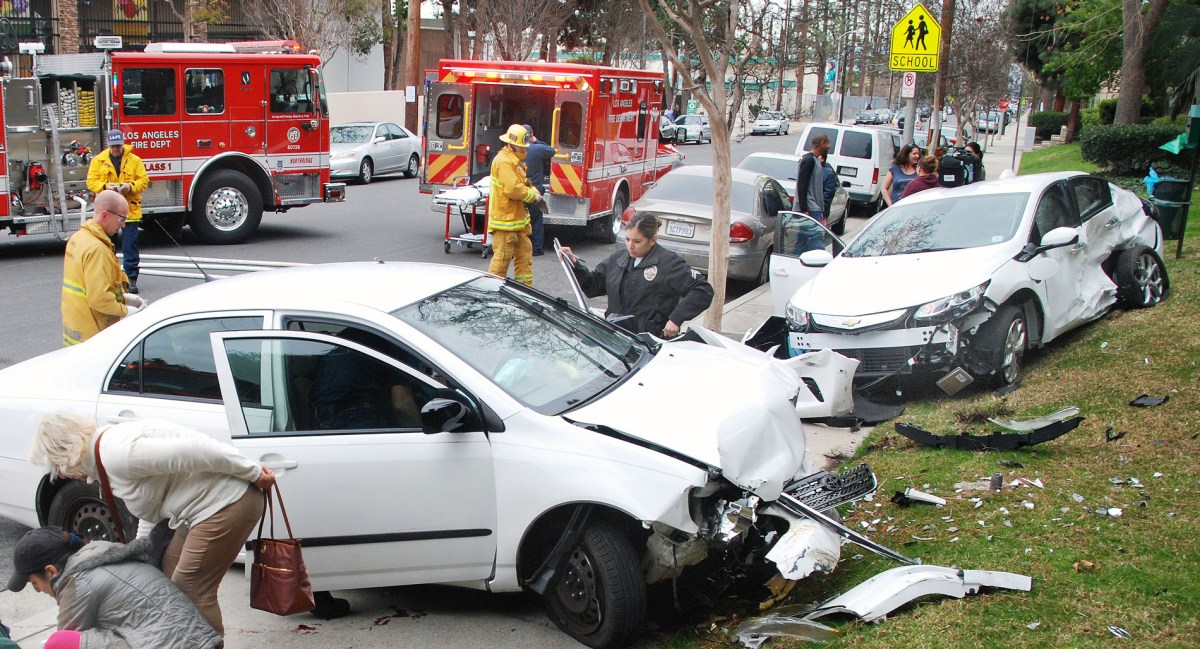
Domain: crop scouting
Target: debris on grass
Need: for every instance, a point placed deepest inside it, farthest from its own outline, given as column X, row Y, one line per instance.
column 1084, row 566
column 994, row 441
column 1110, row 436
column 1147, row 401
column 1118, row 631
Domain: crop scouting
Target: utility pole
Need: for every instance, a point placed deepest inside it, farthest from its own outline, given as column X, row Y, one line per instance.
column 781, row 56
column 939, row 89
column 412, row 66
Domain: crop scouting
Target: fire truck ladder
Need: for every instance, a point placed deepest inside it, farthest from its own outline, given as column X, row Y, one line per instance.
column 58, row 222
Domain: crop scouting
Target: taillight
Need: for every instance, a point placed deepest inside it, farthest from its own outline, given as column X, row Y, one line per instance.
column 627, row 215
column 875, row 176
column 740, row 233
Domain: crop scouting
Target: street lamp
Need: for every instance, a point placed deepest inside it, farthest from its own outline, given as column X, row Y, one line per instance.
column 842, row 71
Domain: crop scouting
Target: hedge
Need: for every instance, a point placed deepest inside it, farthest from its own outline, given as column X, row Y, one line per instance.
column 1088, row 118
column 1047, row 123
column 1128, row 150
column 1108, row 110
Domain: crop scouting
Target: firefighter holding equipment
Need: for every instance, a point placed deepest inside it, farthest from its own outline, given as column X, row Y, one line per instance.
column 93, row 292
column 119, row 169
column 508, row 218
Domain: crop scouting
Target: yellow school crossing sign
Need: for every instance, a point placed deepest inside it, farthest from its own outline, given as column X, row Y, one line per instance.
column 916, row 42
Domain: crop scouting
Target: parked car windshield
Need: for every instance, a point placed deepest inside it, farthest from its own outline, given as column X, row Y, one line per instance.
column 546, row 355
column 690, row 120
column 697, row 190
column 350, row 134
column 951, row 223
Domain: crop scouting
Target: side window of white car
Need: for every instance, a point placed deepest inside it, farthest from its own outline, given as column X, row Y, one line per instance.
column 177, row 360
column 1091, row 195
column 1053, row 211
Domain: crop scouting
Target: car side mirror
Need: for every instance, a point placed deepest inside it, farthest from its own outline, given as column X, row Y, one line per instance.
column 816, row 258
column 448, row 416
column 1059, row 238
column 379, row 139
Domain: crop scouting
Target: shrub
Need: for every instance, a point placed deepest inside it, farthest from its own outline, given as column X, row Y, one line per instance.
column 1108, row 111
column 1047, row 123
column 1088, row 118
column 1180, row 121
column 1127, row 149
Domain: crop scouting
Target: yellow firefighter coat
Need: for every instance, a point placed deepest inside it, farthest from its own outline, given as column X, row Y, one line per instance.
column 511, row 190
column 133, row 171
column 93, row 293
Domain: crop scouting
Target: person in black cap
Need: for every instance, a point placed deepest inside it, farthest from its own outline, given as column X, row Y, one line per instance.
column 538, row 156
column 108, row 596
column 120, row 169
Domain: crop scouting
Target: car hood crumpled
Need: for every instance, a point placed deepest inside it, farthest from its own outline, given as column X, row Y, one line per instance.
column 863, row 285
column 731, row 411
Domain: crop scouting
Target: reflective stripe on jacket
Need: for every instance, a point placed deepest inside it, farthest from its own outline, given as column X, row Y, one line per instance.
column 93, row 292
column 511, row 190
column 133, row 171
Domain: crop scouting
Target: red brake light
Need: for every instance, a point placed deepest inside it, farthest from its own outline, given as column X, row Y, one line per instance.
column 875, row 176
column 627, row 215
column 740, row 233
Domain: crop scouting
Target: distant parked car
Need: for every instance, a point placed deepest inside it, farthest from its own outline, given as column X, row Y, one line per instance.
column 866, row 117
column 769, row 122
column 667, row 131
column 783, row 166
column 364, row 150
column 682, row 201
column 692, row 128
column 990, row 122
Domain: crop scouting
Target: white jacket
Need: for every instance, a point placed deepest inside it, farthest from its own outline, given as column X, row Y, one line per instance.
column 164, row 470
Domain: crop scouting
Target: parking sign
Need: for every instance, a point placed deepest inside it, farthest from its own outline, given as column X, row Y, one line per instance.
column 908, row 89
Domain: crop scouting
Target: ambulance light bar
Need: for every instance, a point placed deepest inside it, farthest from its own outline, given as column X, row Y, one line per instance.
column 287, row 46
column 174, row 48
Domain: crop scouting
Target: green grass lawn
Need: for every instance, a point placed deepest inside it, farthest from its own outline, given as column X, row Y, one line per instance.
column 1137, row 571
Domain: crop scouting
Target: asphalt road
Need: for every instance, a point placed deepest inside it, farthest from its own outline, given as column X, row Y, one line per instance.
column 390, row 220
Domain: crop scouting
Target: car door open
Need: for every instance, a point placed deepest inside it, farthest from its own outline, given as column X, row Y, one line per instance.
column 795, row 234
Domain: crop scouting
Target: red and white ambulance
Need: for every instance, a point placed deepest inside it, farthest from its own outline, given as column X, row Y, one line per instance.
column 226, row 131
column 602, row 121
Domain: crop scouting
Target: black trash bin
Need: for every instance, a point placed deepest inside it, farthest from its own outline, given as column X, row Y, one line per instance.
column 1170, row 215
column 1171, row 189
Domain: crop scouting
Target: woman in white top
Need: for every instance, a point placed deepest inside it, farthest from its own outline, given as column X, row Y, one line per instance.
column 210, row 493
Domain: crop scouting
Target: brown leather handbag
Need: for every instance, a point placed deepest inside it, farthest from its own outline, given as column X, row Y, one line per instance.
column 278, row 579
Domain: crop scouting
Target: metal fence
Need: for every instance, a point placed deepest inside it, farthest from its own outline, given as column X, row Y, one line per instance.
column 136, row 34
column 15, row 30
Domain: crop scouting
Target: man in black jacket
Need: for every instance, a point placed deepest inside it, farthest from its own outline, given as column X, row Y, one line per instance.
column 810, row 189
column 537, row 163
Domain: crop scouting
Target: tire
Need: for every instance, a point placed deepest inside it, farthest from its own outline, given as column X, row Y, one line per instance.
column 1140, row 277
column 1001, row 344
column 414, row 166
column 366, row 171
column 227, row 210
column 446, row 247
column 605, row 228
column 79, row 508
column 600, row 597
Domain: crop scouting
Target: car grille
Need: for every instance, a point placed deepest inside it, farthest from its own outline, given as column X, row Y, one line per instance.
column 883, row 360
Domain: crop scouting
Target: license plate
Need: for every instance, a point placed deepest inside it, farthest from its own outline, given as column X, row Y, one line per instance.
column 851, row 172
column 679, row 229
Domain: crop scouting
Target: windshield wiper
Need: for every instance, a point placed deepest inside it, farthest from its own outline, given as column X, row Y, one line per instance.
column 541, row 311
column 921, row 250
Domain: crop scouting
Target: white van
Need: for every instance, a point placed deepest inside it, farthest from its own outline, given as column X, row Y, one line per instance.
column 860, row 155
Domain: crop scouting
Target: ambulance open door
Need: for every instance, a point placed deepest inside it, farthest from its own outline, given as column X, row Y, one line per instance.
column 447, row 135
column 569, row 137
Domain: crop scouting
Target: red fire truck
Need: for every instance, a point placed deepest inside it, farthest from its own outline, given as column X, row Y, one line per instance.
column 602, row 121
column 226, row 131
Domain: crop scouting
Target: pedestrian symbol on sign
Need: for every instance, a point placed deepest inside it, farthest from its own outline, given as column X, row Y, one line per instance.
column 916, row 42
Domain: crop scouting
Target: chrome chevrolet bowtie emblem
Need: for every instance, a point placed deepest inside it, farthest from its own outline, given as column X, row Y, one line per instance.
column 851, row 322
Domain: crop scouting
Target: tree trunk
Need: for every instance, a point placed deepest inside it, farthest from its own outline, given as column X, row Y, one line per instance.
column 390, row 36
column 1073, row 123
column 412, row 63
column 1060, row 101
column 939, row 91
column 802, row 57
column 1137, row 31
column 448, row 27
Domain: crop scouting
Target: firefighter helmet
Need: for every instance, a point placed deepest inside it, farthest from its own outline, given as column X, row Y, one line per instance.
column 516, row 136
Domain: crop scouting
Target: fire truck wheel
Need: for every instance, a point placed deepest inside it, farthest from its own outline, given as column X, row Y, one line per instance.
column 366, row 171
column 414, row 166
column 228, row 208
column 605, row 228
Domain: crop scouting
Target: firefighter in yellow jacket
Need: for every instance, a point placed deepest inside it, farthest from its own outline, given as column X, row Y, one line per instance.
column 93, row 292
column 508, row 218
column 120, row 169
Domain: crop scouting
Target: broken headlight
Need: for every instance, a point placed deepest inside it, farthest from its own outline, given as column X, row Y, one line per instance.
column 951, row 307
column 797, row 318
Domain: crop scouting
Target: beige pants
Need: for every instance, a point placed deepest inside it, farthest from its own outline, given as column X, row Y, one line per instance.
column 198, row 560
column 515, row 247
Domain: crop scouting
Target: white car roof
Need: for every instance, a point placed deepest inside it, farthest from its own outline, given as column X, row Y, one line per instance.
column 772, row 155
column 1033, row 184
column 385, row 286
column 706, row 171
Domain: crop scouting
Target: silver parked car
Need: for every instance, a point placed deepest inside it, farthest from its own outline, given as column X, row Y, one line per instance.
column 364, row 150
column 783, row 167
column 693, row 128
column 683, row 201
column 770, row 122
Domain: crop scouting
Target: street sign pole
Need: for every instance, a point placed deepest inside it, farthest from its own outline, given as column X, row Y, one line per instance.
column 908, row 91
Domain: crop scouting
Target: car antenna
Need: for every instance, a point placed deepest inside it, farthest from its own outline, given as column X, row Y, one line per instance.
column 207, row 277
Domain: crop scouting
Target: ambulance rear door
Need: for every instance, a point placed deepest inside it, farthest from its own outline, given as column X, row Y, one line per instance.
column 447, row 135
column 569, row 137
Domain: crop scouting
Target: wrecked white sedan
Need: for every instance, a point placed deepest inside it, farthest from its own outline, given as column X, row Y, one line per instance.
column 433, row 424
column 959, row 283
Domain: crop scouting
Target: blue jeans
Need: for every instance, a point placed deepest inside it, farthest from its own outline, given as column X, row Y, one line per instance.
column 810, row 237
column 129, row 248
column 538, row 238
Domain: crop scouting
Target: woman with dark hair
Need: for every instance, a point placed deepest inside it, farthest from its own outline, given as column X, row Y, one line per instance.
column 927, row 177
column 650, row 289
column 108, row 596
column 902, row 172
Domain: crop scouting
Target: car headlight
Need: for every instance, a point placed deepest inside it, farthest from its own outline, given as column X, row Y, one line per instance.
column 344, row 155
column 951, row 306
column 797, row 318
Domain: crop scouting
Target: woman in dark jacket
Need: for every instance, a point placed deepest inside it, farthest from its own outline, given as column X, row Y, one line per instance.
column 646, row 281
column 108, row 596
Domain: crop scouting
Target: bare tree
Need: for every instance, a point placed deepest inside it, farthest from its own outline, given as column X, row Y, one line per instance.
column 713, row 33
column 196, row 15
column 983, row 77
column 324, row 25
column 518, row 27
column 1138, row 30
column 394, row 30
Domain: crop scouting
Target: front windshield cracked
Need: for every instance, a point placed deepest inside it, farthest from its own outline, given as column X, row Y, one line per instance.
column 544, row 354
column 950, row 223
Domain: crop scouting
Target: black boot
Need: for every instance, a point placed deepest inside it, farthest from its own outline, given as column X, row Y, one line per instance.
column 329, row 607
column 133, row 285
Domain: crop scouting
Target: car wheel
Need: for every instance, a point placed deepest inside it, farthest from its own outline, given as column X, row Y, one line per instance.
column 1141, row 278
column 414, row 166
column 366, row 171
column 1001, row 344
column 605, row 228
column 599, row 598
column 79, row 508
column 228, row 208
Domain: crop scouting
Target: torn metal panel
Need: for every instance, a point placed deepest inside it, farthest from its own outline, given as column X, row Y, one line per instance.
column 993, row 442
column 1025, row 425
column 666, row 559
column 735, row 518
column 806, row 547
column 789, row 505
column 780, row 624
column 873, row 599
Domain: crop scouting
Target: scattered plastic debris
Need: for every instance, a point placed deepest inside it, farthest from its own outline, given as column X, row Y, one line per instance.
column 910, row 495
column 1104, row 345
column 1117, row 481
column 1012, row 464
column 1110, row 436
column 1084, row 566
column 1027, row 425
column 1033, row 625
column 997, row 482
column 787, row 622
column 1033, row 483
column 1118, row 631
column 1157, row 475
column 993, row 441
column 1026, row 504
column 1147, row 401
column 978, row 485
